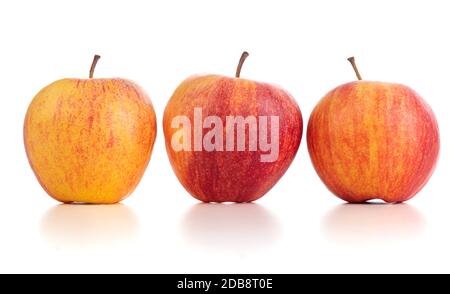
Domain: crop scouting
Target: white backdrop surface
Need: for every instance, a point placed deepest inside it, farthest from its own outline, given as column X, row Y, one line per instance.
column 298, row 226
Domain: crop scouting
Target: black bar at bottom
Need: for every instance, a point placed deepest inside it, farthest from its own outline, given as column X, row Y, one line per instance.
column 222, row 283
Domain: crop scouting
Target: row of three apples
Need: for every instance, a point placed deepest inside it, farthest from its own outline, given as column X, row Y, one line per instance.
column 89, row 141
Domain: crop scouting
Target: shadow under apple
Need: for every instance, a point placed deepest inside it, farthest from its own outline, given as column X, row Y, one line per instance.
column 372, row 222
column 237, row 228
column 78, row 226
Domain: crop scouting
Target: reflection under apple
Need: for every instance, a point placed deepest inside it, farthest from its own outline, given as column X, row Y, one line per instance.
column 374, row 222
column 78, row 226
column 238, row 228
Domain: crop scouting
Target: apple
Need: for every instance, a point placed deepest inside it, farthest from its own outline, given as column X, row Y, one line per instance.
column 90, row 140
column 373, row 140
column 230, row 139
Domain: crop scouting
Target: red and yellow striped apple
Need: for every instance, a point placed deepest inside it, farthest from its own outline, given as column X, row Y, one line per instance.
column 221, row 158
column 373, row 140
column 90, row 141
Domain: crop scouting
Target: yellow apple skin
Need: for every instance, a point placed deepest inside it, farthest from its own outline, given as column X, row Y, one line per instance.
column 90, row 141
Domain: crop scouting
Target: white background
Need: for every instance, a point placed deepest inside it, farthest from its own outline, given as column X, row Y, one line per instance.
column 298, row 227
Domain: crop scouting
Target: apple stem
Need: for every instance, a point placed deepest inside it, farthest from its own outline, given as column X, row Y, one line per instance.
column 94, row 63
column 355, row 68
column 241, row 62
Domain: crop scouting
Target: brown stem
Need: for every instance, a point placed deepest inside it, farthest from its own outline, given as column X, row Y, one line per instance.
column 94, row 63
column 355, row 68
column 241, row 62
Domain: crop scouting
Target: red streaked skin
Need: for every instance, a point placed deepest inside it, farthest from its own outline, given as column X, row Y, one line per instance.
column 372, row 140
column 232, row 176
column 90, row 141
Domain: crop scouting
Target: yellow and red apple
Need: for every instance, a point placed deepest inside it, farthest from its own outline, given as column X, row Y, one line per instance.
column 210, row 124
column 90, row 140
column 373, row 140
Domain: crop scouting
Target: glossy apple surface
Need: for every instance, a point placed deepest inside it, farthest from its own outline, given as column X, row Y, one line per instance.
column 90, row 140
column 231, row 176
column 372, row 140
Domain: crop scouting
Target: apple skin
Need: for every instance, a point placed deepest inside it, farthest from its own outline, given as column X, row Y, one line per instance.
column 373, row 140
column 90, row 141
column 232, row 176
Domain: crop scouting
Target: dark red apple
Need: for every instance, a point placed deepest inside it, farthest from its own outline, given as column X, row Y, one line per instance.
column 230, row 139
